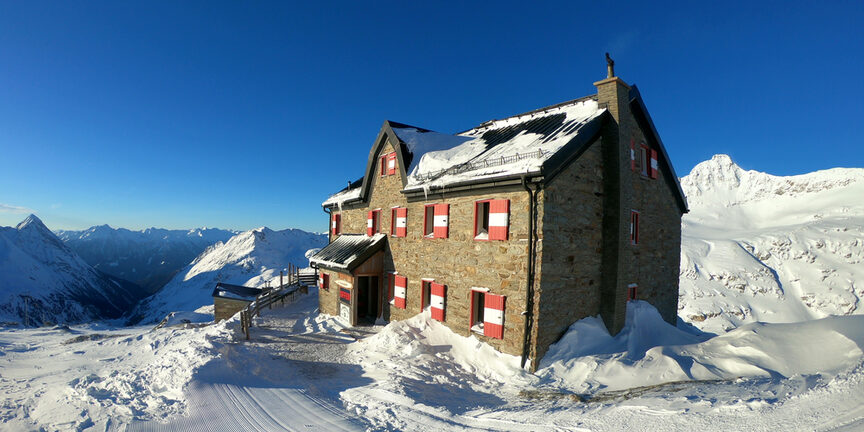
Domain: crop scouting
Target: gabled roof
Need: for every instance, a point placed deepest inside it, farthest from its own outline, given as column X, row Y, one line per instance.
column 348, row 251
column 637, row 106
column 517, row 145
column 236, row 292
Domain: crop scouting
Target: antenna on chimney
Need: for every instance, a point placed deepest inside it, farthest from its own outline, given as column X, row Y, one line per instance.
column 610, row 66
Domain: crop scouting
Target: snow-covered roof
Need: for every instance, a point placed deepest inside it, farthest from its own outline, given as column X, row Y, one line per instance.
column 348, row 251
column 514, row 145
column 236, row 292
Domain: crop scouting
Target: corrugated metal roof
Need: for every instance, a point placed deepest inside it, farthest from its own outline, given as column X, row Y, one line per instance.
column 348, row 251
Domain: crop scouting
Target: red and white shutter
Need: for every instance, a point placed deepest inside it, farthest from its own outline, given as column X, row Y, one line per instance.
column 441, row 221
column 653, row 163
column 333, row 225
column 436, row 300
column 632, row 155
column 499, row 223
column 370, row 223
column 321, row 280
column 401, row 222
column 400, row 287
column 391, row 163
column 493, row 316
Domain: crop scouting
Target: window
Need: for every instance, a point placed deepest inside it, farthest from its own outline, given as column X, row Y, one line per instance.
column 631, row 292
column 336, row 224
column 324, row 281
column 435, row 221
column 373, row 221
column 634, row 227
column 426, row 300
column 644, row 152
column 487, row 313
column 491, row 219
column 387, row 164
column 478, row 306
column 428, row 216
column 398, row 221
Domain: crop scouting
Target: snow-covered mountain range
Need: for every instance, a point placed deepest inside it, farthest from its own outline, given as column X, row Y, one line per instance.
column 251, row 258
column 149, row 258
column 758, row 247
column 42, row 280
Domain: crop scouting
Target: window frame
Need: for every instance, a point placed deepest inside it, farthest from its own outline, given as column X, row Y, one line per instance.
column 634, row 227
column 376, row 221
column 382, row 162
column 632, row 292
column 478, row 304
column 478, row 219
column 429, row 221
column 644, row 160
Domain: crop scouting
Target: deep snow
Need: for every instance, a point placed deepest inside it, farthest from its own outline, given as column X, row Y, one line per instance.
column 304, row 371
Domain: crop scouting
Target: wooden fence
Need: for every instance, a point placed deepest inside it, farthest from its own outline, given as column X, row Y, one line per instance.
column 289, row 286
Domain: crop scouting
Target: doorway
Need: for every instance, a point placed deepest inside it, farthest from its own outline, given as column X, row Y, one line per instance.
column 368, row 299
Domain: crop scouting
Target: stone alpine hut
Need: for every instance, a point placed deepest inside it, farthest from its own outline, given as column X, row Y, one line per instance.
column 514, row 229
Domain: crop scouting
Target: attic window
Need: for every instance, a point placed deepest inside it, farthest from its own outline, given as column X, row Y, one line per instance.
column 644, row 151
column 387, row 164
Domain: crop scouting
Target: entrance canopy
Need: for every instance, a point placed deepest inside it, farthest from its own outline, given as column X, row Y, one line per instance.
column 348, row 251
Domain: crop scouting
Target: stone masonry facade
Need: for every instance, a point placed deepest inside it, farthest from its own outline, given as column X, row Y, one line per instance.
column 584, row 263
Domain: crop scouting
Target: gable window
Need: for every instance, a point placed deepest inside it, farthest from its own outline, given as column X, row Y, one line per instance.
column 387, row 164
column 634, row 227
column 436, row 221
column 631, row 291
column 336, row 224
column 491, row 219
column 373, row 221
column 398, row 221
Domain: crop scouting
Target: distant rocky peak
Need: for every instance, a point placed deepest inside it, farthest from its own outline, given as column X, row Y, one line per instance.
column 32, row 222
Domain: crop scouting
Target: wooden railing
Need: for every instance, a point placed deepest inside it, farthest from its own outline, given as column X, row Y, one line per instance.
column 289, row 287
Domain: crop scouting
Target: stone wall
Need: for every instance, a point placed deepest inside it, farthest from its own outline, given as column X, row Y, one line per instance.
column 225, row 308
column 570, row 255
column 459, row 262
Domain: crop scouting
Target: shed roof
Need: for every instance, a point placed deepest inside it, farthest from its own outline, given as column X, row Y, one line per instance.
column 348, row 251
column 236, row 292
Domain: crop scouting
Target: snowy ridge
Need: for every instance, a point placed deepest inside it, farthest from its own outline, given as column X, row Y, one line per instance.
column 149, row 258
column 43, row 281
column 252, row 258
column 757, row 247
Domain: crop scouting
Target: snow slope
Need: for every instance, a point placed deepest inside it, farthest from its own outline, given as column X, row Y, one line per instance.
column 757, row 247
column 252, row 258
column 42, row 280
column 304, row 371
column 148, row 258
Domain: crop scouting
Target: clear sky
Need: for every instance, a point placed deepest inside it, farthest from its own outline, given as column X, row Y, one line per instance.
column 244, row 114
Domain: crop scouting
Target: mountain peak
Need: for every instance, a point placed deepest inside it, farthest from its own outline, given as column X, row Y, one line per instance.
column 31, row 222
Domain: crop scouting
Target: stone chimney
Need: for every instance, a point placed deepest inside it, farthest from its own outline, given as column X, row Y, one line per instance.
column 612, row 92
column 614, row 95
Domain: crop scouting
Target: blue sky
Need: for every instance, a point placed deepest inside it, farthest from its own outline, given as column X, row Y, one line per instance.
column 244, row 114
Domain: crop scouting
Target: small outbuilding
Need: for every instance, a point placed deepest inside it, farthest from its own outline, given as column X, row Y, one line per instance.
column 229, row 299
